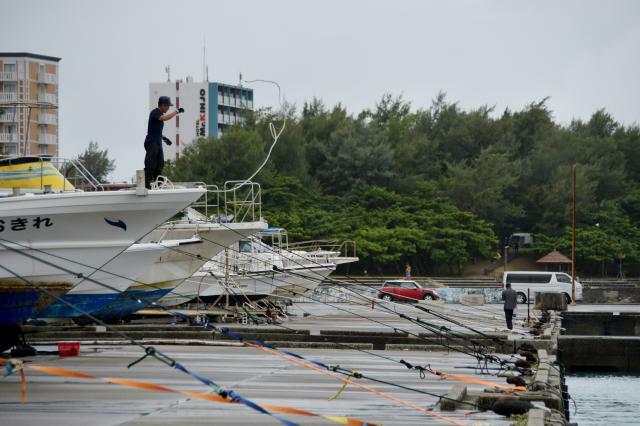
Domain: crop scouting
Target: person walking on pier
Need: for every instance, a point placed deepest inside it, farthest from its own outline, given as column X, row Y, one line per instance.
column 510, row 298
column 154, row 158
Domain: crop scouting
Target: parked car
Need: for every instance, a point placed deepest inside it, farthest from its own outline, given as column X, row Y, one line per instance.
column 535, row 282
column 405, row 291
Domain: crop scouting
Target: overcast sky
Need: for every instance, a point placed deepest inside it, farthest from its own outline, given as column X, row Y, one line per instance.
column 584, row 55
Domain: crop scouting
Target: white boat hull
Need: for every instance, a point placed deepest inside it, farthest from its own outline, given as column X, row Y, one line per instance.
column 50, row 240
column 104, row 286
column 302, row 280
column 87, row 228
column 180, row 263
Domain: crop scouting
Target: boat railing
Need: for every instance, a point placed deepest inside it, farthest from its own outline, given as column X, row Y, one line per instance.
column 276, row 238
column 243, row 263
column 209, row 203
column 242, row 200
column 346, row 248
column 78, row 167
column 237, row 201
column 73, row 174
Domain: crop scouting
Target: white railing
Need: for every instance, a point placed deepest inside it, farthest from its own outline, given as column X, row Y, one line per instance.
column 243, row 200
column 45, row 118
column 48, row 139
column 8, row 96
column 8, row 76
column 8, row 137
column 48, row 98
column 71, row 171
column 48, row 78
column 8, row 117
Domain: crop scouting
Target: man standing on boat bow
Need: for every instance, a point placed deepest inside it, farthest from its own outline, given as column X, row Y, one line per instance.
column 154, row 158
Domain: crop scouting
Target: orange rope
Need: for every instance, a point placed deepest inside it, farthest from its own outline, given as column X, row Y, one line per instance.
column 358, row 384
column 63, row 372
column 481, row 382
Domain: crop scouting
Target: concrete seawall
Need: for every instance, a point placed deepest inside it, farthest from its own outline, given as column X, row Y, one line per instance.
column 600, row 341
column 600, row 353
column 601, row 323
column 611, row 292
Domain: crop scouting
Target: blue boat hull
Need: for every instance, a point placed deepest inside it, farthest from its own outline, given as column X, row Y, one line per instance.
column 19, row 303
column 130, row 302
column 85, row 302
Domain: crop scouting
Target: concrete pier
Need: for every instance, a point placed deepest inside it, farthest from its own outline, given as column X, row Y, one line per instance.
column 269, row 379
column 257, row 375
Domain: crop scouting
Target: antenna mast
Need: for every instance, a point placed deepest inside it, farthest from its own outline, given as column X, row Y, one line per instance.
column 167, row 69
column 204, row 60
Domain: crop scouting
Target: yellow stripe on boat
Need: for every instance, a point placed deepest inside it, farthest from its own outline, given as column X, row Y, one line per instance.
column 32, row 174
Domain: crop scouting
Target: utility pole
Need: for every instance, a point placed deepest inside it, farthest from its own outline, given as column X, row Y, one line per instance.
column 506, row 253
column 573, row 235
column 506, row 257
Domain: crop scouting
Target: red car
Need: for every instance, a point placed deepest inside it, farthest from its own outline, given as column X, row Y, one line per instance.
column 406, row 290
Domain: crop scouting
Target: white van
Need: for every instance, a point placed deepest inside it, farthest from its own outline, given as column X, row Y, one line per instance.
column 536, row 281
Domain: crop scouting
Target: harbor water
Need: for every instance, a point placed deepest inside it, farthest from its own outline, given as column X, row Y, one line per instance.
column 605, row 398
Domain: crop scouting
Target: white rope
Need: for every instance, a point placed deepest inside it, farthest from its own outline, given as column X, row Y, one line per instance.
column 275, row 134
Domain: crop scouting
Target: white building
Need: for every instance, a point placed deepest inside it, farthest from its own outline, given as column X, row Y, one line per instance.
column 210, row 108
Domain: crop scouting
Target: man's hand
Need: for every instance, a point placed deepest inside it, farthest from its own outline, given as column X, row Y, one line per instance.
column 180, row 110
column 166, row 140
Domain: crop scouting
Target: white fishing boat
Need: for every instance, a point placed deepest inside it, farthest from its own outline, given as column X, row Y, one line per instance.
column 104, row 286
column 51, row 239
column 257, row 268
column 210, row 282
column 168, row 272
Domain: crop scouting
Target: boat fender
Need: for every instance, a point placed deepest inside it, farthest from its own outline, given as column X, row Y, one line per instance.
column 516, row 380
column 509, row 407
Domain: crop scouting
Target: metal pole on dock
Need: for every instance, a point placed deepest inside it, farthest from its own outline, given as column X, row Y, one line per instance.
column 226, row 278
column 528, row 305
column 573, row 235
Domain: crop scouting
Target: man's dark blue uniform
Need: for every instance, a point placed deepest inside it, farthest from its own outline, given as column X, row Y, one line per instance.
column 154, row 158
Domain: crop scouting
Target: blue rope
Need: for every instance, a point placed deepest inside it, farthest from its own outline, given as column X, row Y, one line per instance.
column 241, row 338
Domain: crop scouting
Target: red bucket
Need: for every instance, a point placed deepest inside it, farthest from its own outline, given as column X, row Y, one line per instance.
column 69, row 348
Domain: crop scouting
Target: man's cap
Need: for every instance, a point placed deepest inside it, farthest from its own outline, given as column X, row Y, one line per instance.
column 508, row 285
column 164, row 100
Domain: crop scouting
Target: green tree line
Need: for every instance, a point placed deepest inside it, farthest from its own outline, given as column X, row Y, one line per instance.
column 438, row 187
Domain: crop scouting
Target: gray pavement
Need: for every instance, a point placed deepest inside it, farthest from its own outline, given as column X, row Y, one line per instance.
column 260, row 376
column 486, row 318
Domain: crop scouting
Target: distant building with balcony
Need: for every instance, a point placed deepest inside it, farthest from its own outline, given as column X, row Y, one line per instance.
column 210, row 108
column 29, row 99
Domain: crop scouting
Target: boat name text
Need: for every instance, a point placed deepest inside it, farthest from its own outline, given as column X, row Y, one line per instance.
column 21, row 223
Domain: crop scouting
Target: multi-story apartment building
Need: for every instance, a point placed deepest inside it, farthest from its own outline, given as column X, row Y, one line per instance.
column 210, row 108
column 29, row 101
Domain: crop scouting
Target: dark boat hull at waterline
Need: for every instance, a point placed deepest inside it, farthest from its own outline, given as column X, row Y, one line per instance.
column 19, row 302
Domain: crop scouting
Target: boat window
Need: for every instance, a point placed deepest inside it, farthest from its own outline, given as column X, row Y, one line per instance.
column 245, row 247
